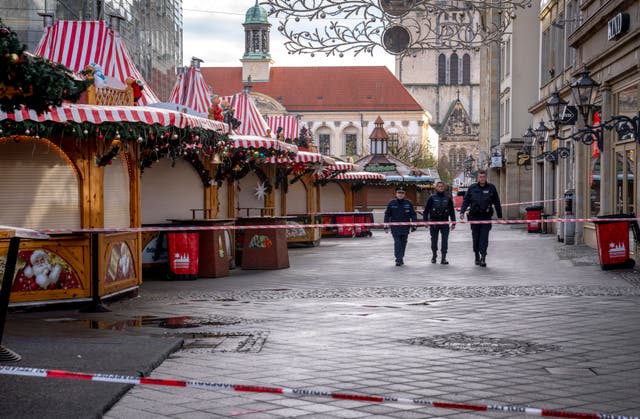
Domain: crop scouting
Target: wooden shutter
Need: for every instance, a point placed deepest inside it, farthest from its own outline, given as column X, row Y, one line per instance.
column 39, row 188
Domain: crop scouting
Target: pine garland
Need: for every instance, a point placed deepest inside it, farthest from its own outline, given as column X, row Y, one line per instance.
column 30, row 81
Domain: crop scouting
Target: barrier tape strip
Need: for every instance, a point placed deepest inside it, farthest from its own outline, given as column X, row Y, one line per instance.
column 123, row 379
column 183, row 228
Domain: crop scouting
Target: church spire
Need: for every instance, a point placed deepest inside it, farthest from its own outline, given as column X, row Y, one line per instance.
column 256, row 60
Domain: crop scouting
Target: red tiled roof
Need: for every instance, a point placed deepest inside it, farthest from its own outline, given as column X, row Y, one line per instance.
column 322, row 89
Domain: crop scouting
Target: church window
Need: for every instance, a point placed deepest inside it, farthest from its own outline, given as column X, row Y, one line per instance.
column 442, row 70
column 466, row 69
column 453, row 69
column 255, row 44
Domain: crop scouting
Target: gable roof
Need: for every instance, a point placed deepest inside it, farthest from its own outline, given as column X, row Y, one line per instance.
column 77, row 44
column 322, row 89
column 190, row 90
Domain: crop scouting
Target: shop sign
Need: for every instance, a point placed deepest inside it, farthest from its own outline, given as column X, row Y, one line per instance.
column 381, row 168
column 570, row 116
column 496, row 160
column 617, row 26
column 524, row 159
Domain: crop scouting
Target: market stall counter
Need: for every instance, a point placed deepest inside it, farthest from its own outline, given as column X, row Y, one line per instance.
column 262, row 248
column 346, row 218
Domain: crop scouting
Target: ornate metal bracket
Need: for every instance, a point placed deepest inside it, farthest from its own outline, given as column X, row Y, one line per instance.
column 334, row 27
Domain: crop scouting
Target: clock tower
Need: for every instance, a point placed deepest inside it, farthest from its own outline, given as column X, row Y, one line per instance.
column 256, row 61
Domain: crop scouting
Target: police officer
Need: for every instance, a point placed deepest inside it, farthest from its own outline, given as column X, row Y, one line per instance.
column 400, row 210
column 481, row 199
column 439, row 207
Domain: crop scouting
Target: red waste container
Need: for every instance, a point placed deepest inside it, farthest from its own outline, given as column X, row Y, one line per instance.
column 534, row 213
column 183, row 254
column 613, row 242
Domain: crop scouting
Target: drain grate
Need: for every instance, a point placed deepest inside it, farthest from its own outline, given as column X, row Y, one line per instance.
column 202, row 343
column 481, row 344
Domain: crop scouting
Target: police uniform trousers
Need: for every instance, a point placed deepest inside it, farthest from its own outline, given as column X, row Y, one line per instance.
column 399, row 246
column 480, row 236
column 442, row 229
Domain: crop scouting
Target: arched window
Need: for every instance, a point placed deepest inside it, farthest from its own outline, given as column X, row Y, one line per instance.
column 442, row 70
column 466, row 69
column 453, row 69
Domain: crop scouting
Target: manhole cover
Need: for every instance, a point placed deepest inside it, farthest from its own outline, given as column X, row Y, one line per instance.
column 481, row 344
column 224, row 342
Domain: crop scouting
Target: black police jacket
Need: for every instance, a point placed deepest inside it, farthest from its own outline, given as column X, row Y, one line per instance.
column 439, row 207
column 481, row 202
column 400, row 210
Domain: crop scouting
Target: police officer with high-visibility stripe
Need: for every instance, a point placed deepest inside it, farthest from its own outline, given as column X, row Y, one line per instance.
column 481, row 199
column 400, row 210
column 439, row 207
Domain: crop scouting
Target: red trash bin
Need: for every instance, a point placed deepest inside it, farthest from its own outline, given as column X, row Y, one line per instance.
column 534, row 213
column 613, row 242
column 183, row 254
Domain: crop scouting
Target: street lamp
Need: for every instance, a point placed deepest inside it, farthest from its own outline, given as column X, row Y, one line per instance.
column 584, row 91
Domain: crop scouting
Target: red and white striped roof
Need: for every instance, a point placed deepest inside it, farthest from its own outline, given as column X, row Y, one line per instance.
column 77, row 44
column 248, row 141
column 101, row 114
column 304, row 157
column 343, row 166
column 191, row 91
column 289, row 124
column 246, row 112
column 359, row 176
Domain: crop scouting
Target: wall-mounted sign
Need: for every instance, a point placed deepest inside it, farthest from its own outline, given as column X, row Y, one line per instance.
column 524, row 159
column 618, row 26
column 570, row 115
column 380, row 168
column 496, row 160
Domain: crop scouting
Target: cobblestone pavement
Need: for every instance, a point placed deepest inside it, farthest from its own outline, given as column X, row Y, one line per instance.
column 541, row 326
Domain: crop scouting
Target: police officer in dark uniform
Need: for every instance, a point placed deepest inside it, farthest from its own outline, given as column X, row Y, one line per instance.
column 400, row 210
column 439, row 207
column 481, row 199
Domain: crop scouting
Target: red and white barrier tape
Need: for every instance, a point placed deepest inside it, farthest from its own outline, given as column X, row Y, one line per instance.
column 123, row 379
column 183, row 228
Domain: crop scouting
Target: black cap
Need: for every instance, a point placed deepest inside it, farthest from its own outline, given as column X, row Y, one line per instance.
column 400, row 188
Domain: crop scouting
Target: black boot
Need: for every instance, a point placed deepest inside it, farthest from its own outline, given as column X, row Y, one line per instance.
column 477, row 258
column 444, row 260
column 483, row 261
column 434, row 258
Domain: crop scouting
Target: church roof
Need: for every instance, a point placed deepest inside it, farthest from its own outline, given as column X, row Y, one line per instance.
column 256, row 14
column 322, row 89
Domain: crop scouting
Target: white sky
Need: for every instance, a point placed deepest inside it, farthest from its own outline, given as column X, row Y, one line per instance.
column 213, row 32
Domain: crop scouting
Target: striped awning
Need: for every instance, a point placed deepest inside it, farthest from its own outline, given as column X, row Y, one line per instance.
column 359, row 176
column 343, row 166
column 191, row 91
column 252, row 122
column 101, row 114
column 248, row 141
column 288, row 123
column 76, row 44
column 304, row 157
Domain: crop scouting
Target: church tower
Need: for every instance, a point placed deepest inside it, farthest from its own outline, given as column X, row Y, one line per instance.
column 256, row 61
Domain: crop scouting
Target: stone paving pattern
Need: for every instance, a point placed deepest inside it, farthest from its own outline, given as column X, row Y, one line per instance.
column 541, row 326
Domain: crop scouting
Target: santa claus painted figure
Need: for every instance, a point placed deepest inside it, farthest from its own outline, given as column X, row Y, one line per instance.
column 39, row 273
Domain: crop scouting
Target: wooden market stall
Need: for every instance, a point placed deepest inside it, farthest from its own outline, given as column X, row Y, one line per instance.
column 74, row 170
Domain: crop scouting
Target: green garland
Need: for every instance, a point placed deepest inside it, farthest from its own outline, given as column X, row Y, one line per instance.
column 31, row 81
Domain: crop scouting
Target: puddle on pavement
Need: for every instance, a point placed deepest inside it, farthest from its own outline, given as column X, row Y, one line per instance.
column 431, row 302
column 371, row 306
column 179, row 322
